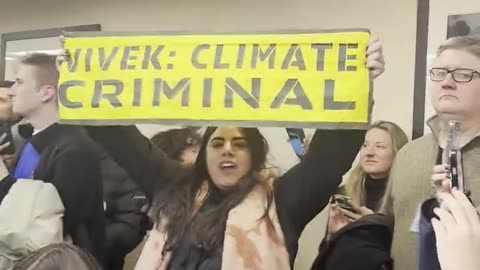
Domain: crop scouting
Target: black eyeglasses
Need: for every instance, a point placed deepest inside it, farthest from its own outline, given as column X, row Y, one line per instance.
column 460, row 75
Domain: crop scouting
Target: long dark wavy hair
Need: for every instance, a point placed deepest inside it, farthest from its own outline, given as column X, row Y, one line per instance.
column 176, row 203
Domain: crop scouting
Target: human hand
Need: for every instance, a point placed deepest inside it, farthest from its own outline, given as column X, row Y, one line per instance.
column 375, row 60
column 457, row 232
column 144, row 209
column 59, row 61
column 359, row 211
column 306, row 144
column 61, row 58
column 441, row 178
column 6, row 159
column 336, row 220
column 4, row 144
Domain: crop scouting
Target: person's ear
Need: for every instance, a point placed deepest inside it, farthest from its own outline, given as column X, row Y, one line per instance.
column 47, row 92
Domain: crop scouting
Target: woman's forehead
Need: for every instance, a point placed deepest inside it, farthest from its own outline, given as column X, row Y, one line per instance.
column 227, row 133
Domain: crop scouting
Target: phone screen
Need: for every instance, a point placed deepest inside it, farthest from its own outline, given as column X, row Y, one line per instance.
column 296, row 137
column 296, row 133
column 297, row 147
column 344, row 202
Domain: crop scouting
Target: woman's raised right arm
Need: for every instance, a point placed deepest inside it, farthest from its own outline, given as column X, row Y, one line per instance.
column 146, row 164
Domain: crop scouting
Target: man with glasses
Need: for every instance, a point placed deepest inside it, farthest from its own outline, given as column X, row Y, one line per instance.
column 459, row 75
column 454, row 84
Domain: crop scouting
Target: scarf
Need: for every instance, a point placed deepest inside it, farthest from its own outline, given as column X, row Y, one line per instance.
column 250, row 242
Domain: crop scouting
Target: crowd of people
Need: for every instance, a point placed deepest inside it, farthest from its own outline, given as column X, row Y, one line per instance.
column 90, row 195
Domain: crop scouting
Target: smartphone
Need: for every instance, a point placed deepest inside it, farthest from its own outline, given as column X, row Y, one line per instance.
column 343, row 201
column 297, row 146
column 296, row 136
column 453, row 155
column 140, row 200
column 5, row 128
column 454, row 171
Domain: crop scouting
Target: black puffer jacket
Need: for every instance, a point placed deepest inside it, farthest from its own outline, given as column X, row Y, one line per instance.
column 362, row 245
column 123, row 219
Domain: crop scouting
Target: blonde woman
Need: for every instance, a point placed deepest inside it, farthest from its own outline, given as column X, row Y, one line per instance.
column 368, row 180
column 366, row 240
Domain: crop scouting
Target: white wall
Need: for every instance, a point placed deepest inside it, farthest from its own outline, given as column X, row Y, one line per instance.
column 394, row 21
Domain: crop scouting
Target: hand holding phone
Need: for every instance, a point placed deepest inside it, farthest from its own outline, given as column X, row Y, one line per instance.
column 349, row 209
column 344, row 202
column 452, row 156
column 140, row 200
column 297, row 146
column 441, row 178
column 7, row 146
column 296, row 137
column 6, row 152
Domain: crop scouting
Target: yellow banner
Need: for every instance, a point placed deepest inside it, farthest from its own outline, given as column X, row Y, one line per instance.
column 316, row 79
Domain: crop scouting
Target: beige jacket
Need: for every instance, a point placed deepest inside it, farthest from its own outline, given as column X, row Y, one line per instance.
column 31, row 217
column 411, row 185
column 249, row 243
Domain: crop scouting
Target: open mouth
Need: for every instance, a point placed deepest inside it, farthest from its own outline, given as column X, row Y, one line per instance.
column 227, row 166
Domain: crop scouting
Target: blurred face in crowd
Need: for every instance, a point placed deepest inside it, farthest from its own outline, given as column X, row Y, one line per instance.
column 26, row 94
column 452, row 99
column 228, row 157
column 377, row 153
column 189, row 155
column 5, row 104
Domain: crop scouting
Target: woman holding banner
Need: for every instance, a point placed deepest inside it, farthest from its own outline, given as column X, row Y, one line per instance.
column 222, row 214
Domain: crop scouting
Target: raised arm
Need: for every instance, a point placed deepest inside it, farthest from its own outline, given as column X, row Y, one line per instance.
column 303, row 191
column 146, row 164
